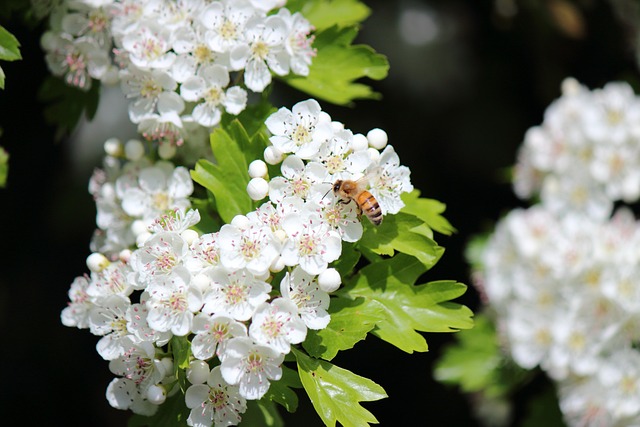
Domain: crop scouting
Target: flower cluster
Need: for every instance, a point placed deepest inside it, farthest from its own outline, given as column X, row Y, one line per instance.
column 586, row 154
column 562, row 276
column 180, row 63
column 240, row 296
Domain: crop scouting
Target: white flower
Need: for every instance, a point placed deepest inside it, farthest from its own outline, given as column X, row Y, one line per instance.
column 225, row 24
column 264, row 52
column 298, row 131
column 204, row 253
column 171, row 305
column 277, row 324
column 298, row 179
column 138, row 325
column 311, row 243
column 160, row 188
column 123, row 393
column 216, row 402
column 145, row 88
column 298, row 42
column 250, row 366
column 340, row 159
column 109, row 321
column 209, row 86
column 112, row 280
column 77, row 311
column 161, row 254
column 235, row 294
column 303, row 290
column 176, row 220
column 139, row 364
column 251, row 246
column 165, row 127
column 389, row 181
column 149, row 46
column 212, row 334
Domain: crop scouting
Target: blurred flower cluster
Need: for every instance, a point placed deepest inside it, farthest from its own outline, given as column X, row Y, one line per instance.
column 154, row 278
column 563, row 276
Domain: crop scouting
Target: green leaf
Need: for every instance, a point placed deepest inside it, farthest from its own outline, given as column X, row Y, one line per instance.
column 67, row 104
column 428, row 210
column 409, row 309
column 404, row 233
column 326, row 13
column 261, row 413
column 228, row 178
column 281, row 391
column 335, row 392
column 4, row 167
column 336, row 67
column 172, row 413
column 252, row 117
column 351, row 320
column 9, row 46
column 180, row 347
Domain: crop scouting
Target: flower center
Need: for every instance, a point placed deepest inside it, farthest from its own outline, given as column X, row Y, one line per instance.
column 272, row 327
column 235, row 294
column 250, row 249
column 260, row 50
column 150, row 89
column 228, row 30
column 218, row 398
column 255, row 362
column 203, row 54
column 213, row 96
column 308, row 245
column 161, row 201
column 301, row 135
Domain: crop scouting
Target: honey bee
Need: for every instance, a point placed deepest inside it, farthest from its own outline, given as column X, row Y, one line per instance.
column 348, row 190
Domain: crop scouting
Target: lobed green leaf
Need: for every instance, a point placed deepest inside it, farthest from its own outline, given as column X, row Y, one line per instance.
column 409, row 309
column 351, row 320
column 227, row 179
column 327, row 13
column 9, row 46
column 281, row 391
column 261, row 413
column 428, row 210
column 336, row 393
column 403, row 233
column 336, row 67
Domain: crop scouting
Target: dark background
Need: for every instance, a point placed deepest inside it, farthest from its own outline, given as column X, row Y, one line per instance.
column 456, row 105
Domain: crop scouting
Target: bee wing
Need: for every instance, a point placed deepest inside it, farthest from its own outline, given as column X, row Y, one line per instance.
column 369, row 175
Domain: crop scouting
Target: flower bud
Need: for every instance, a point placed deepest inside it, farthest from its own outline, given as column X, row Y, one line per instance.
column 359, row 142
column 113, row 147
column 139, row 227
column 240, row 221
column 189, row 236
column 258, row 169
column 124, row 255
column 258, row 188
column 377, row 138
column 167, row 151
column 156, row 394
column 272, row 155
column 134, row 150
column 197, row 372
column 97, row 262
column 277, row 265
column 329, row 280
column 373, row 154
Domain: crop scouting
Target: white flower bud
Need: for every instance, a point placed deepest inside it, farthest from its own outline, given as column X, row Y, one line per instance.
column 257, row 169
column 272, row 155
column 373, row 154
column 240, row 221
column 258, row 188
column 324, row 117
column 201, row 281
column 198, row 372
column 113, row 147
column 337, row 126
column 167, row 366
column 377, row 138
column 156, row 394
column 281, row 235
column 139, row 227
column 570, row 86
column 97, row 262
column 167, row 151
column 359, row 142
column 189, row 236
column 124, row 255
column 134, row 150
column 329, row 280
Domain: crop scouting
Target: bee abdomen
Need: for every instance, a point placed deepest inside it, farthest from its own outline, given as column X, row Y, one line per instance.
column 371, row 208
